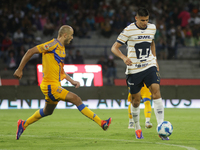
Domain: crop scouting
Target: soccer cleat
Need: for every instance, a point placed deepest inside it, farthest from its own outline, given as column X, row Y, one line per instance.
column 105, row 123
column 148, row 125
column 138, row 134
column 131, row 125
column 20, row 128
column 164, row 138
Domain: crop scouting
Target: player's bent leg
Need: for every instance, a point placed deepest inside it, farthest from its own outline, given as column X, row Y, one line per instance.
column 48, row 109
column 75, row 99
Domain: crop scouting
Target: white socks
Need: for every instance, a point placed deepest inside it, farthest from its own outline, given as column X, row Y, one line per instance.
column 148, row 119
column 136, row 115
column 159, row 110
column 131, row 120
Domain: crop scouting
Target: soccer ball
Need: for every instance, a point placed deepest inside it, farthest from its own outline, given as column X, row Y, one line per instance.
column 165, row 129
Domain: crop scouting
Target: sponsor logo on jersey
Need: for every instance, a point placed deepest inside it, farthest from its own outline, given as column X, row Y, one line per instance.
column 141, row 65
column 46, row 47
column 144, row 37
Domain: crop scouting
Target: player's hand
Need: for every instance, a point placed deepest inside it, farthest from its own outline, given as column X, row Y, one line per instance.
column 18, row 74
column 127, row 61
column 76, row 84
column 157, row 66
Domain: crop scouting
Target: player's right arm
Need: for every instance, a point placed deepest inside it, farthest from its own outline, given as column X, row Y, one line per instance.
column 19, row 72
column 115, row 49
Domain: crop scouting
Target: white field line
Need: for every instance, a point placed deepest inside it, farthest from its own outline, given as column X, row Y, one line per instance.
column 103, row 139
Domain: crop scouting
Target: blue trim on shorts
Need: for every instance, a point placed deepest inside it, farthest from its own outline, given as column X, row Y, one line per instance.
column 42, row 113
column 146, row 99
column 50, row 94
column 81, row 107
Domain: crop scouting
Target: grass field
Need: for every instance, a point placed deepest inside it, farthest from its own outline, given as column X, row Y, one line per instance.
column 69, row 129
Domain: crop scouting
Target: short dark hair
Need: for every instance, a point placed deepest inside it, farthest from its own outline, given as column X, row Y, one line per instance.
column 142, row 12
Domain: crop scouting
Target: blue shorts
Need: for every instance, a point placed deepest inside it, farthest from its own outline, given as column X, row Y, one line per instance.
column 136, row 81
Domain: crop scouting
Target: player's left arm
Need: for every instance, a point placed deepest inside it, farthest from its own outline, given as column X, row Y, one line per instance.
column 153, row 49
column 73, row 82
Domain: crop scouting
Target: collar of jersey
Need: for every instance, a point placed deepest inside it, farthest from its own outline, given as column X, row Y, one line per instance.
column 140, row 28
column 58, row 42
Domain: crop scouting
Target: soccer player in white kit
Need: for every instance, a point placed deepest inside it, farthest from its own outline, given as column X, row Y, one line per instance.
column 141, row 64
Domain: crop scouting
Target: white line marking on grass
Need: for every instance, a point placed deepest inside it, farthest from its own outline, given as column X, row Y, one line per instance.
column 116, row 140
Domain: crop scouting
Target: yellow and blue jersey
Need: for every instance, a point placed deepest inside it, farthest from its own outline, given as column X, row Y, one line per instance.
column 53, row 55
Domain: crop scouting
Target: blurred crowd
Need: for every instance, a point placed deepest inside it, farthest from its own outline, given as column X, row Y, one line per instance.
column 23, row 22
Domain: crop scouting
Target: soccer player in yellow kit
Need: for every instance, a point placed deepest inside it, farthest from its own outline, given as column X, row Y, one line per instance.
column 53, row 55
column 146, row 97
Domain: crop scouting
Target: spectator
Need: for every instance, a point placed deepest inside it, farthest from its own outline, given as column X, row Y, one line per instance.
column 188, row 36
column 180, row 36
column 161, row 49
column 11, row 60
column 20, row 55
column 29, row 38
column 111, row 73
column 78, row 58
column 99, row 19
column 184, row 16
column 6, row 42
column 26, row 24
column 37, row 23
column 18, row 38
column 91, row 21
column 48, row 28
column 172, row 51
column 106, row 29
column 103, row 64
column 69, row 59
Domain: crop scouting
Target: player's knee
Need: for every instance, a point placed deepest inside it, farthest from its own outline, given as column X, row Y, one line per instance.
column 136, row 104
column 48, row 112
column 156, row 94
column 77, row 100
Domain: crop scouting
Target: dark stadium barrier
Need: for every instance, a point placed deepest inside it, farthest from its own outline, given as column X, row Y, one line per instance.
column 106, row 97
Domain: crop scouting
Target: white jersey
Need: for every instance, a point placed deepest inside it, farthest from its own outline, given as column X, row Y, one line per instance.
column 138, row 43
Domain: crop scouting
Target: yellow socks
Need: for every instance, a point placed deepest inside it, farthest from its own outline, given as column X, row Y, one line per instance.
column 35, row 117
column 147, row 109
column 129, row 111
column 88, row 113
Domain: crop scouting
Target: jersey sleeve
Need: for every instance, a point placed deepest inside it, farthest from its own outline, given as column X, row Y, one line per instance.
column 47, row 46
column 123, row 36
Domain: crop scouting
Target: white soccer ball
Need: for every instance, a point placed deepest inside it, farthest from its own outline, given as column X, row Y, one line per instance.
column 165, row 129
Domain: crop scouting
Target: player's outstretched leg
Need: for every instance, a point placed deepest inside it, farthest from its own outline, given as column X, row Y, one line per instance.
column 106, row 123
column 20, row 128
column 90, row 114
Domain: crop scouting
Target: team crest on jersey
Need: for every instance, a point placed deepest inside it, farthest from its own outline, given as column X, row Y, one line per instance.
column 46, row 47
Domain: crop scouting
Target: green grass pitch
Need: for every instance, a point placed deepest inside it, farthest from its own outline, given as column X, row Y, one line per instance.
column 69, row 129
